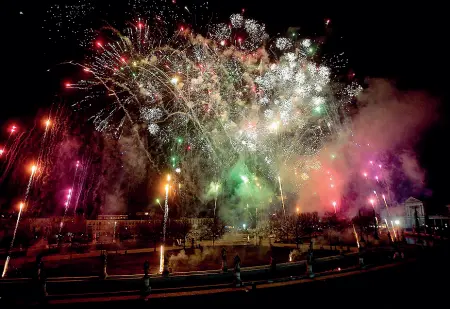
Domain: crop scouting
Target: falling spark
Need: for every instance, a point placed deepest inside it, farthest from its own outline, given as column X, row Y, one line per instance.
column 5, row 268
column 161, row 259
column 282, row 198
column 166, row 211
column 393, row 229
column 356, row 235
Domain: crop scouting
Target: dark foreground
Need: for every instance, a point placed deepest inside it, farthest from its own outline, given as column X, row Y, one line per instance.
column 414, row 283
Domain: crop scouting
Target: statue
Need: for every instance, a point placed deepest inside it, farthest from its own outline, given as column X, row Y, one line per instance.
column 237, row 270
column 273, row 264
column 146, row 267
column 224, row 260
column 361, row 256
column 41, row 279
column 310, row 260
column 146, row 288
column 104, row 258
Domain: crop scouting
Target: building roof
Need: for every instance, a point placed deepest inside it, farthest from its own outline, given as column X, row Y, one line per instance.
column 413, row 200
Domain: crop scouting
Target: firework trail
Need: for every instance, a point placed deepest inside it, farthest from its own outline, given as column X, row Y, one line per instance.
column 13, row 153
column 166, row 212
column 282, row 198
column 83, row 175
column 356, row 236
column 21, row 206
column 69, row 196
column 161, row 259
column 5, row 268
column 5, row 149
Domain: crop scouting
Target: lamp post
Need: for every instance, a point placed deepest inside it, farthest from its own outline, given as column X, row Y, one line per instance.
column 216, row 191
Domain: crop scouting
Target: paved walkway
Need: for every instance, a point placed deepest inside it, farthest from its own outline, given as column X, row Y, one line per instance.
column 73, row 256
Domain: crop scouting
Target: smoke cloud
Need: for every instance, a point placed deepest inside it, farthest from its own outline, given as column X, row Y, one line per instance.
column 375, row 154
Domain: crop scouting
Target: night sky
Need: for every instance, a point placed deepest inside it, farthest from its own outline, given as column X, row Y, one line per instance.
column 405, row 44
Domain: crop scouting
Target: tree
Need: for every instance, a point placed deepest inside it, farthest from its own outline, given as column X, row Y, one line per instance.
column 212, row 229
column 309, row 222
column 281, row 225
column 334, row 225
column 364, row 222
column 150, row 231
column 297, row 229
column 180, row 229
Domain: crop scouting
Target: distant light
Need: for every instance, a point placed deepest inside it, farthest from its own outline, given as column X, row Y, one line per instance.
column 168, row 177
column 274, row 125
column 178, row 170
column 174, row 80
column 68, row 85
column 244, row 225
column 397, row 222
column 157, row 200
column 222, row 42
column 33, row 169
column 99, row 44
column 140, row 25
column 146, row 213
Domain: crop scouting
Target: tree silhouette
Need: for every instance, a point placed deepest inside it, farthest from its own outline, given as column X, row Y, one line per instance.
column 180, row 229
column 213, row 229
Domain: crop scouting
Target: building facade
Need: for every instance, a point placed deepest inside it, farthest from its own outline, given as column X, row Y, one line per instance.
column 403, row 215
column 413, row 205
